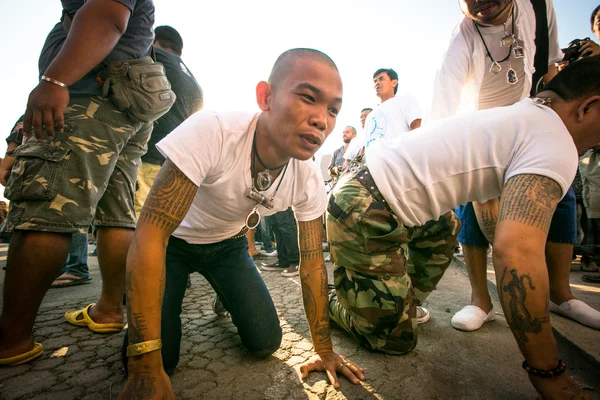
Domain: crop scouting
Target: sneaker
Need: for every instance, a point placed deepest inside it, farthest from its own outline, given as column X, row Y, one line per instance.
column 218, row 306
column 291, row 271
column 273, row 267
column 422, row 315
column 268, row 254
column 470, row 318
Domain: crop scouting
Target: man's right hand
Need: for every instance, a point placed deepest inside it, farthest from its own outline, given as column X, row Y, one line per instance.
column 150, row 384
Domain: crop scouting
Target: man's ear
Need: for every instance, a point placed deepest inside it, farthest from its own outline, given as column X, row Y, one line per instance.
column 263, row 95
column 587, row 105
column 395, row 81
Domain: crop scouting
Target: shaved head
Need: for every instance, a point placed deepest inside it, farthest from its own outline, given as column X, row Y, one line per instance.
column 286, row 60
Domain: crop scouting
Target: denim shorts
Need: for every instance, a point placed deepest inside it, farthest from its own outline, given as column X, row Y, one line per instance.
column 83, row 175
column 563, row 228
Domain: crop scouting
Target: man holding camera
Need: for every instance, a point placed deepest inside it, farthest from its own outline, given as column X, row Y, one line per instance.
column 492, row 53
column 338, row 160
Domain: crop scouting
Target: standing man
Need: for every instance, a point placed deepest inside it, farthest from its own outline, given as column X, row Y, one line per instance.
column 168, row 46
column 403, row 112
column 207, row 196
column 392, row 232
column 81, row 169
column 491, row 54
column 338, row 160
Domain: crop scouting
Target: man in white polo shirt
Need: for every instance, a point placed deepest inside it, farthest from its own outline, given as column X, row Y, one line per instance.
column 223, row 170
column 392, row 234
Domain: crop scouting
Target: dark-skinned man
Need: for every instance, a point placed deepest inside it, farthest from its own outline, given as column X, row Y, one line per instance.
column 77, row 167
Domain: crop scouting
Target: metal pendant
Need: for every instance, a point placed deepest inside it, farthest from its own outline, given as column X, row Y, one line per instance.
column 260, row 199
column 263, row 180
column 511, row 76
column 495, row 68
column 519, row 52
column 253, row 219
column 508, row 40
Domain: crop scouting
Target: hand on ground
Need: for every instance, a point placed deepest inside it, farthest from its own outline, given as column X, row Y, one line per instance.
column 333, row 364
column 153, row 384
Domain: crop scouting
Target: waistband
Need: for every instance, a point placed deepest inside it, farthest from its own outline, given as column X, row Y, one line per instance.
column 363, row 175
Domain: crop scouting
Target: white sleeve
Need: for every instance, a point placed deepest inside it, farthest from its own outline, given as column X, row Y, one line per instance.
column 412, row 110
column 312, row 201
column 555, row 54
column 451, row 78
column 532, row 158
column 195, row 146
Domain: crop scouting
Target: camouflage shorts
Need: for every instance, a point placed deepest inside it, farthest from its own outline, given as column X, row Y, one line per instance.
column 382, row 268
column 84, row 175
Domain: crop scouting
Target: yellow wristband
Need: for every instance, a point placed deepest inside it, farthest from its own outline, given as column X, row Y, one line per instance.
column 144, row 347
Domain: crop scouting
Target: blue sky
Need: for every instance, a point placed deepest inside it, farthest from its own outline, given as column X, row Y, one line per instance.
column 231, row 45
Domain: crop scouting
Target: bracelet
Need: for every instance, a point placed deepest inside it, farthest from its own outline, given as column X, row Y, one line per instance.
column 143, row 347
column 59, row 83
column 549, row 373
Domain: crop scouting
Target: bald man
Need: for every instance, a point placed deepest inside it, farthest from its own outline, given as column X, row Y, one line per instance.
column 204, row 200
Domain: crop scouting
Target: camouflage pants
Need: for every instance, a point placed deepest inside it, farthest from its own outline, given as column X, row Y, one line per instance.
column 84, row 175
column 382, row 269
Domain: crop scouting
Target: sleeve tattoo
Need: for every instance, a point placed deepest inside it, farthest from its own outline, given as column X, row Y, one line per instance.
column 166, row 205
column 314, row 283
column 169, row 199
column 530, row 200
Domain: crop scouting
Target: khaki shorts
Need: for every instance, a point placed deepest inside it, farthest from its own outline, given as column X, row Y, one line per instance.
column 84, row 175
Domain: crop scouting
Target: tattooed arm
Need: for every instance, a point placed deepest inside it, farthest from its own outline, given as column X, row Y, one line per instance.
column 487, row 215
column 313, row 277
column 526, row 208
column 164, row 209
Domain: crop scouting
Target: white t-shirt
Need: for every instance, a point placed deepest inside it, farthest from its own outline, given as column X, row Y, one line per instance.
column 458, row 82
column 214, row 151
column 495, row 90
column 423, row 174
column 399, row 112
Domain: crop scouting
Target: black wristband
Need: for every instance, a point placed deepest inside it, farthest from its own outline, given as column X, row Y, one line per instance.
column 549, row 373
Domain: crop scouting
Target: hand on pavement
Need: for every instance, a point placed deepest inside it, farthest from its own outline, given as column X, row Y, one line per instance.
column 45, row 110
column 333, row 364
column 153, row 384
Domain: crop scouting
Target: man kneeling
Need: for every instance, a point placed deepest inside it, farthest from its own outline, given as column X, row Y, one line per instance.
column 391, row 247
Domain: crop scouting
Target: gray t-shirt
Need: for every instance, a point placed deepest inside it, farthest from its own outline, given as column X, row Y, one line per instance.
column 135, row 42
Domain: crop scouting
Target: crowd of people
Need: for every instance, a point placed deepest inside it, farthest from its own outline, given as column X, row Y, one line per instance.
column 113, row 142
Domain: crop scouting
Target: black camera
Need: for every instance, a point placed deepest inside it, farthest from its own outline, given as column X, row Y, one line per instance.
column 572, row 50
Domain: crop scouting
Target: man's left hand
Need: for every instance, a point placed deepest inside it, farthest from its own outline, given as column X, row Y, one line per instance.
column 333, row 363
column 45, row 110
column 590, row 48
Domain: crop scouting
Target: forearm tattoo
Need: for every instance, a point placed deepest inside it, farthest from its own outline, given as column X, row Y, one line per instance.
column 520, row 319
column 141, row 386
column 310, row 239
column 487, row 223
column 315, row 306
column 531, row 200
column 169, row 199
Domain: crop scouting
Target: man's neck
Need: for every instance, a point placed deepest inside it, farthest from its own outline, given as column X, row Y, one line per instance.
column 267, row 151
column 346, row 146
column 385, row 98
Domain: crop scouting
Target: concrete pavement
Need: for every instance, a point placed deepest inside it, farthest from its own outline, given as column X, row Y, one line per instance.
column 78, row 364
